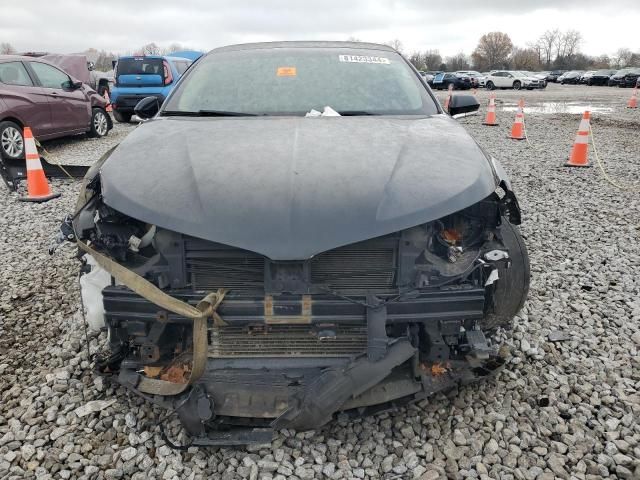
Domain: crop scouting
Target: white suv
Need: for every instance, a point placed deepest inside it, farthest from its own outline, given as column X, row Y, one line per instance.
column 512, row 79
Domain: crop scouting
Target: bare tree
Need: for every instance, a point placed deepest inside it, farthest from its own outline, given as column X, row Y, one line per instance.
column 173, row 47
column 432, row 59
column 525, row 59
column 150, row 49
column 492, row 51
column 7, row 49
column 104, row 61
column 567, row 45
column 622, row 58
column 396, row 44
column 417, row 59
column 547, row 43
column 458, row 62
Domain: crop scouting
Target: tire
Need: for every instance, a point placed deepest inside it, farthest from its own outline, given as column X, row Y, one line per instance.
column 122, row 117
column 517, row 85
column 490, row 85
column 11, row 140
column 99, row 123
column 507, row 295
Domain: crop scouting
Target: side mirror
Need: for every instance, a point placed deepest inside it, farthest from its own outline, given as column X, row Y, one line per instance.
column 460, row 104
column 71, row 85
column 147, row 107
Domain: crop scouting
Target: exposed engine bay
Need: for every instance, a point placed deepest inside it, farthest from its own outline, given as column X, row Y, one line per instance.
column 289, row 343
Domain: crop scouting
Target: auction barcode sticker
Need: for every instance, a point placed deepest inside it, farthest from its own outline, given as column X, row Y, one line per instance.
column 364, row 59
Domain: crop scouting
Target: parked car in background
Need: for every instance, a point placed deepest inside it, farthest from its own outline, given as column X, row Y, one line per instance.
column 428, row 77
column 477, row 79
column 334, row 279
column 458, row 80
column 618, row 77
column 138, row 77
column 36, row 94
column 586, row 76
column 600, row 77
column 630, row 78
column 77, row 65
column 512, row 79
column 554, row 75
column 541, row 76
column 570, row 78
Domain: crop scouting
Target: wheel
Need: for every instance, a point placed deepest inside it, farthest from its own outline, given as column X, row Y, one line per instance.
column 11, row 140
column 589, row 82
column 506, row 296
column 122, row 117
column 517, row 85
column 99, row 123
column 490, row 85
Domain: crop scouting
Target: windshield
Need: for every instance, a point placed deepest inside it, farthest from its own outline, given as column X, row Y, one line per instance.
column 139, row 66
column 293, row 81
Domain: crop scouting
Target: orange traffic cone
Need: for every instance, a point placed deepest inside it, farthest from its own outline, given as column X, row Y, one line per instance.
column 517, row 129
column 448, row 99
column 109, row 108
column 580, row 150
column 521, row 103
column 38, row 189
column 633, row 101
column 490, row 119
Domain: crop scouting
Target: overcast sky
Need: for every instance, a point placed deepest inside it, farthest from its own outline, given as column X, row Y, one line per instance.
column 67, row 26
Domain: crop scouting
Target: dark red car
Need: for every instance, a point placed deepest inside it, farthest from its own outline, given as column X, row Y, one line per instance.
column 37, row 94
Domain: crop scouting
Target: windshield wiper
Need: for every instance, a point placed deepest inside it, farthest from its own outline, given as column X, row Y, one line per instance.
column 206, row 113
column 356, row 113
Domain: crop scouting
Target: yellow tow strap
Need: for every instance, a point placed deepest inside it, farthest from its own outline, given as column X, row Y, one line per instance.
column 206, row 308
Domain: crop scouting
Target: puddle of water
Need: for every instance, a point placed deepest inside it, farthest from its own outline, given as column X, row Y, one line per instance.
column 559, row 107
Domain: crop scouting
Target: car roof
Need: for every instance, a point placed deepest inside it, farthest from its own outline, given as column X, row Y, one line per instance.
column 25, row 58
column 304, row 44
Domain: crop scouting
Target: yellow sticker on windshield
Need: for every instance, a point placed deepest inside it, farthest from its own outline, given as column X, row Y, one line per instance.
column 287, row 72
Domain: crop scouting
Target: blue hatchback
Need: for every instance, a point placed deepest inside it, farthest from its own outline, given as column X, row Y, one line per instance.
column 137, row 77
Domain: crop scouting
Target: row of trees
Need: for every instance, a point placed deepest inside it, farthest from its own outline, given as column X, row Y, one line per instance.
column 554, row 49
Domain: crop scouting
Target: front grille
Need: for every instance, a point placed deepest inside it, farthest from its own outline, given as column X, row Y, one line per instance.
column 211, row 266
column 356, row 268
column 367, row 266
column 286, row 341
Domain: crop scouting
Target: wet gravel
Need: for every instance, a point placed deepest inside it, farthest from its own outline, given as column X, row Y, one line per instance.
column 566, row 406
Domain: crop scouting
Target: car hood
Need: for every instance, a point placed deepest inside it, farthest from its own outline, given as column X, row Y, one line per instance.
column 293, row 187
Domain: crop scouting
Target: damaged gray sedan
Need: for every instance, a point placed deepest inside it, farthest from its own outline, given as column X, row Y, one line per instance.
column 299, row 230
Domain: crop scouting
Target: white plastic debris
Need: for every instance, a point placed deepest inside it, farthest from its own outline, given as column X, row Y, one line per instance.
column 93, row 406
column 91, row 285
column 134, row 243
column 493, row 276
column 327, row 112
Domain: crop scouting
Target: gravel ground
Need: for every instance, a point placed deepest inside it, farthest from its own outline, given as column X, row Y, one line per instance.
column 563, row 409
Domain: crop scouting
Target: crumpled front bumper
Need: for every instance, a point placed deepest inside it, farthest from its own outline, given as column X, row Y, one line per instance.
column 336, row 359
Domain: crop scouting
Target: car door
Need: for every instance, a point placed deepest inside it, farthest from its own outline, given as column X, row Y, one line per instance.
column 497, row 79
column 23, row 99
column 449, row 79
column 506, row 80
column 70, row 108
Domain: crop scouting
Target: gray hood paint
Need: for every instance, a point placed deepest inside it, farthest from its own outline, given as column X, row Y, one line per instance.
column 292, row 187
